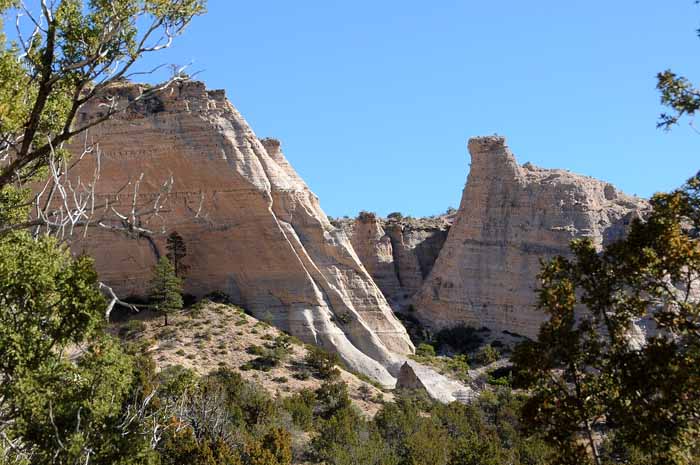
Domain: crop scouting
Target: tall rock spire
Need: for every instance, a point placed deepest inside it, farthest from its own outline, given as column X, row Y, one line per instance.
column 510, row 218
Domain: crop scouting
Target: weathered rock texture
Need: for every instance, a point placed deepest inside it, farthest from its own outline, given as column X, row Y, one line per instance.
column 398, row 253
column 510, row 218
column 260, row 235
column 413, row 375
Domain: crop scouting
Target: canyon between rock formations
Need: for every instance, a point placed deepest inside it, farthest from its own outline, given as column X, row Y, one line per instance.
column 256, row 232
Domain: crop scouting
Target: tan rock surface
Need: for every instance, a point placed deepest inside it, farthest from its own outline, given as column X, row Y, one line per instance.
column 260, row 235
column 397, row 253
column 509, row 218
column 413, row 375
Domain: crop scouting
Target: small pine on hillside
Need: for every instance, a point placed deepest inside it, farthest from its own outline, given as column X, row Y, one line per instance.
column 165, row 288
column 177, row 251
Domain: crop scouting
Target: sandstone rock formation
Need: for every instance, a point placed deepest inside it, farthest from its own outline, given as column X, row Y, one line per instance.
column 413, row 375
column 252, row 227
column 397, row 252
column 509, row 218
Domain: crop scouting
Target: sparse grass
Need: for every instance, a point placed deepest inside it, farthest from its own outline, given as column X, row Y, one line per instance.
column 167, row 332
column 207, row 339
column 132, row 328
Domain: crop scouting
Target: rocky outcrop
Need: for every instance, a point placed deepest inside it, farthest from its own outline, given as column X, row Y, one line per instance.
column 375, row 250
column 397, row 252
column 416, row 244
column 413, row 375
column 510, row 218
column 252, row 227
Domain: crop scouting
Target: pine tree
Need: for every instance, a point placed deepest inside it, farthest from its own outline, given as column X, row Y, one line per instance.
column 586, row 374
column 166, row 288
column 177, row 250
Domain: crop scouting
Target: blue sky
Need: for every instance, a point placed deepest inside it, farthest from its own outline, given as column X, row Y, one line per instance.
column 374, row 100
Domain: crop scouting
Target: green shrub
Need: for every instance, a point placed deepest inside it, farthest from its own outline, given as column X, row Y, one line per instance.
column 175, row 379
column 365, row 393
column 302, row 375
column 332, row 397
column 300, row 407
column 458, row 366
column 256, row 350
column 486, row 355
column 323, row 363
column 267, row 357
column 283, row 342
column 278, row 442
column 425, row 350
column 501, row 376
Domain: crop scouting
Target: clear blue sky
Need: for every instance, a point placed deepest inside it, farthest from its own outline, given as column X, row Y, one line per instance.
column 374, row 100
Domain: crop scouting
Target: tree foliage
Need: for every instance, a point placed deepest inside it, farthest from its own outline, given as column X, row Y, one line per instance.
column 165, row 288
column 51, row 406
column 68, row 393
column 177, row 251
column 587, row 370
column 72, row 52
column 679, row 95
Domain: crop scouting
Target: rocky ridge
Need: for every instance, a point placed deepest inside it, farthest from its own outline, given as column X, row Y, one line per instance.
column 398, row 252
column 252, row 227
column 511, row 217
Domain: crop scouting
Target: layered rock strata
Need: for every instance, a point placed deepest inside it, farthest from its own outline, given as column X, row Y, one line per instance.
column 252, row 227
column 511, row 217
column 397, row 253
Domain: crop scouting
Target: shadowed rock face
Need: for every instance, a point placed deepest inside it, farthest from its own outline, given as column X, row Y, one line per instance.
column 510, row 218
column 252, row 227
column 398, row 254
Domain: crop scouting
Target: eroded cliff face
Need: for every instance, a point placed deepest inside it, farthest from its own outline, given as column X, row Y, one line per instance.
column 397, row 253
column 510, row 218
column 252, row 227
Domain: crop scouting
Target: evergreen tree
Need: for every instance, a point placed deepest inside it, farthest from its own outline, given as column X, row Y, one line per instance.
column 586, row 373
column 56, row 409
column 678, row 94
column 177, row 251
column 166, row 288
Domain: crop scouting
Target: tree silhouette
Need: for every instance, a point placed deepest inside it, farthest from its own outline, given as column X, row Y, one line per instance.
column 177, row 251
